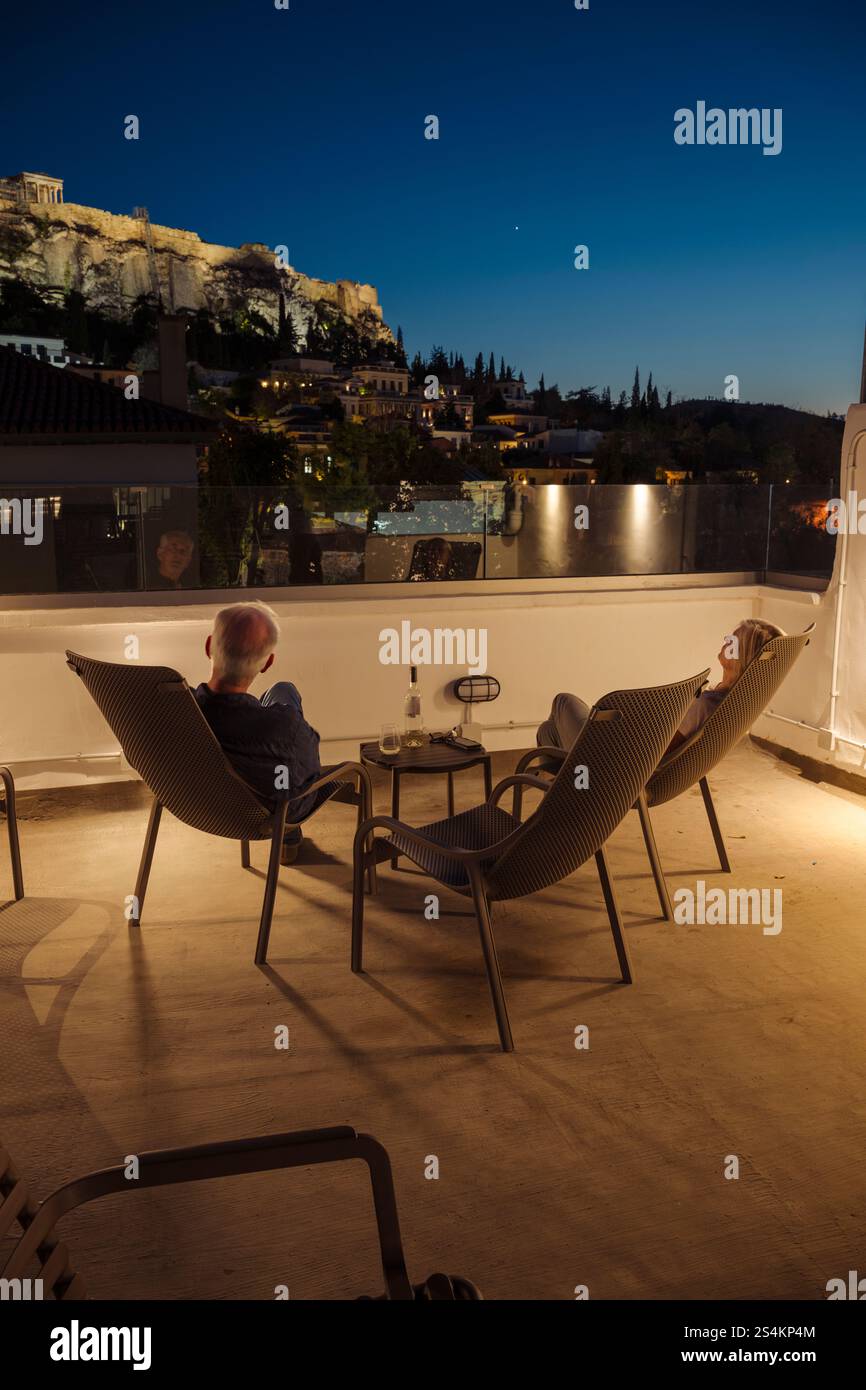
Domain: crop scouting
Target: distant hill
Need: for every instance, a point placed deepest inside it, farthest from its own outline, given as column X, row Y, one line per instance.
column 721, row 440
column 777, row 441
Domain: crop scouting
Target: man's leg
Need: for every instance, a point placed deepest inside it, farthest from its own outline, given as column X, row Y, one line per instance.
column 568, row 714
column 285, row 693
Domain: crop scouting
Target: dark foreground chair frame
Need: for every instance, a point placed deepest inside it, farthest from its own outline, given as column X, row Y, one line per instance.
column 7, row 802
column 565, row 831
column 200, row 1163
column 167, row 740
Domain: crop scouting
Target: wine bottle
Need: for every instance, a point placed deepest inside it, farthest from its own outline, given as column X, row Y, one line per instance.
column 413, row 726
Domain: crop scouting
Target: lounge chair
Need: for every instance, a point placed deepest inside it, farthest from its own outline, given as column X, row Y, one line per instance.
column 690, row 763
column 490, row 855
column 7, row 804
column 167, row 740
column 40, row 1246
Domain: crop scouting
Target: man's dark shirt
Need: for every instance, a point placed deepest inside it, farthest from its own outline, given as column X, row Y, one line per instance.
column 259, row 739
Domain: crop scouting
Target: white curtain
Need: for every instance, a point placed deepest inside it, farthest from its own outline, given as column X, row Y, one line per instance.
column 851, row 675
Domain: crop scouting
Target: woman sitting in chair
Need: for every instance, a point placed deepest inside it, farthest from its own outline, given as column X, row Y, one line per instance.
column 569, row 713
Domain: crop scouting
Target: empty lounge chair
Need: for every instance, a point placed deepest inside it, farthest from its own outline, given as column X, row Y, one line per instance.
column 490, row 855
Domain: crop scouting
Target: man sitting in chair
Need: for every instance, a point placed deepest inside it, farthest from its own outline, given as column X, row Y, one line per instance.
column 267, row 740
column 569, row 713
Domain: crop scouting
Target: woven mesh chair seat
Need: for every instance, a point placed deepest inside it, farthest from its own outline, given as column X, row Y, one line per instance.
column 474, row 829
column 337, row 790
column 157, row 721
column 619, row 746
column 730, row 721
column 165, row 737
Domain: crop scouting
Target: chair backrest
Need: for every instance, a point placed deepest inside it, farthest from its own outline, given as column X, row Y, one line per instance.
column 619, row 746
column 155, row 718
column 730, row 720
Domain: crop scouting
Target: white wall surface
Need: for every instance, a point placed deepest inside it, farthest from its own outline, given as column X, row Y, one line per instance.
column 541, row 639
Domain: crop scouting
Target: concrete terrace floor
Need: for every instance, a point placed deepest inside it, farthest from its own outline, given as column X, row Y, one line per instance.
column 558, row 1167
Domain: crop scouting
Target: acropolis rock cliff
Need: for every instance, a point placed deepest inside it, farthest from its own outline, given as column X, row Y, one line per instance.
column 58, row 246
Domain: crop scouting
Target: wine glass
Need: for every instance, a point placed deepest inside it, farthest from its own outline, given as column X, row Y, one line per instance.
column 389, row 740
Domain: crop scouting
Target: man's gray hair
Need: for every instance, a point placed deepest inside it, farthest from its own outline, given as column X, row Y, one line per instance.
column 244, row 635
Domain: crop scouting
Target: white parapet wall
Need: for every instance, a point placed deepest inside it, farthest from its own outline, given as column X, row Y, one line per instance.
column 581, row 635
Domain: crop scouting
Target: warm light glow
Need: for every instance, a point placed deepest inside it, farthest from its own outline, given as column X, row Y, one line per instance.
column 640, row 501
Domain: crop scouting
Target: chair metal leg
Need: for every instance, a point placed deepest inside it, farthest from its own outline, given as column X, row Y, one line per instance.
column 358, row 853
column 365, row 811
column 714, row 826
column 655, row 861
column 613, row 916
column 271, row 884
column 245, row 854
column 12, row 831
column 146, row 860
column 488, row 946
column 395, row 808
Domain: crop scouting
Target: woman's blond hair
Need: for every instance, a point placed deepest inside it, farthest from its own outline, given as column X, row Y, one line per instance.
column 752, row 634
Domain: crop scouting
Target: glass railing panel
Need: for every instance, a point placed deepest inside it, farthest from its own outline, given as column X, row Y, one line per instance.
column 73, row 540
column 799, row 542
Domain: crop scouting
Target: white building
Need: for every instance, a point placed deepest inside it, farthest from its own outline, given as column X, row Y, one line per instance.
column 51, row 350
column 565, row 441
column 512, row 392
column 382, row 377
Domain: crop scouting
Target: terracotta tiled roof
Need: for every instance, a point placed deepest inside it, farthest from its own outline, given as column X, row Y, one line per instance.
column 39, row 399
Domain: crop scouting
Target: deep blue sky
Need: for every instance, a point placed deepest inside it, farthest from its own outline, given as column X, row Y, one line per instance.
column 306, row 128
